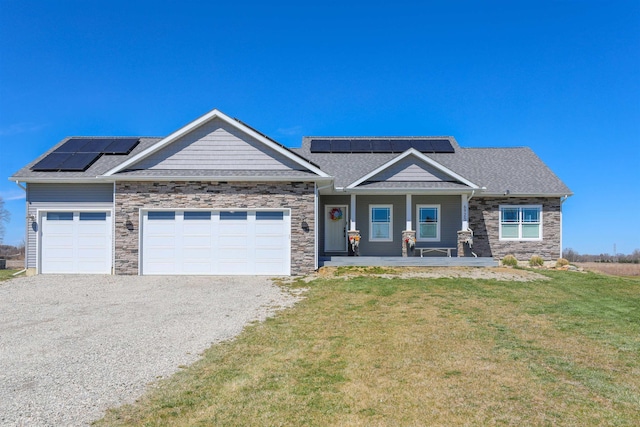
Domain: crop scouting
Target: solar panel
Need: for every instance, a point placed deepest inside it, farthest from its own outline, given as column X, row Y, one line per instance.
column 422, row 145
column 120, row 146
column 442, row 146
column 360, row 145
column 320, row 146
column 400, row 145
column 71, row 146
column 340, row 146
column 381, row 146
column 52, row 162
column 79, row 162
column 95, row 146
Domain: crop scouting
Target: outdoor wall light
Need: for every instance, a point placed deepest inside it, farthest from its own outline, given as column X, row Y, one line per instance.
column 305, row 225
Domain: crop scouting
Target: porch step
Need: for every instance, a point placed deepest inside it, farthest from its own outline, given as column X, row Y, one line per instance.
column 367, row 261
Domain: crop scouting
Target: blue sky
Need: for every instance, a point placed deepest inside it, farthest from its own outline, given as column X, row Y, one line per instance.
column 561, row 77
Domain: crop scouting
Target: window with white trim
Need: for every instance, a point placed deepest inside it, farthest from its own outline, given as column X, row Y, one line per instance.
column 381, row 223
column 521, row 222
column 428, row 218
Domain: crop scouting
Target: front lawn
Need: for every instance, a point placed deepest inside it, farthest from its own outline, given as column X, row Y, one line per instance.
column 372, row 351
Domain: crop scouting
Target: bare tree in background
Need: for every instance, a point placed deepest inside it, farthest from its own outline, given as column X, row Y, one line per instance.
column 4, row 217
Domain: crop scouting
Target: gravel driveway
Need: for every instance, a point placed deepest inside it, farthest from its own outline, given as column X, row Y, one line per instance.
column 72, row 346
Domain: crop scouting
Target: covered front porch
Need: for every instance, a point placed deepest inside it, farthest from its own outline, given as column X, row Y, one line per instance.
column 372, row 261
column 420, row 226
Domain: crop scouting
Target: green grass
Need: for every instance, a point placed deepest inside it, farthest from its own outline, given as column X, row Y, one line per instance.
column 7, row 274
column 370, row 351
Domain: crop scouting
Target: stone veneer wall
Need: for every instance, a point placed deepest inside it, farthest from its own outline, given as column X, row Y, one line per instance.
column 130, row 197
column 484, row 220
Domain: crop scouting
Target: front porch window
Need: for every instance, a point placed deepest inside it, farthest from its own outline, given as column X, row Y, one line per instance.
column 428, row 223
column 381, row 218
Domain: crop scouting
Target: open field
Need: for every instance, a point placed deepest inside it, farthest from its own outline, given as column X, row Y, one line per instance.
column 373, row 351
column 612, row 268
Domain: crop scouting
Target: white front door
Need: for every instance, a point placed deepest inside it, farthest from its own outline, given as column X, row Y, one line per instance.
column 335, row 228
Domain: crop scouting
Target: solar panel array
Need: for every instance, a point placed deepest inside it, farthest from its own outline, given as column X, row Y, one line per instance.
column 77, row 154
column 380, row 145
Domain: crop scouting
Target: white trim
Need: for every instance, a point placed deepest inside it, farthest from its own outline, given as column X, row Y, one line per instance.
column 390, row 207
column 352, row 220
column 520, row 223
column 409, row 212
column 419, row 155
column 464, row 207
column 215, row 113
column 438, row 223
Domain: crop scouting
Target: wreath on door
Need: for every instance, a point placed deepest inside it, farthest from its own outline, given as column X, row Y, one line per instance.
column 335, row 214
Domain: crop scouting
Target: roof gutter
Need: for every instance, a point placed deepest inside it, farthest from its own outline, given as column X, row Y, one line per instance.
column 20, row 185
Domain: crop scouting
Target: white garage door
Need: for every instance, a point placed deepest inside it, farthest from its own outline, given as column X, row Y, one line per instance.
column 216, row 242
column 75, row 242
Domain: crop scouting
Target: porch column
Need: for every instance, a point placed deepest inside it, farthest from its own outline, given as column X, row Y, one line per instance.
column 408, row 235
column 464, row 203
column 352, row 214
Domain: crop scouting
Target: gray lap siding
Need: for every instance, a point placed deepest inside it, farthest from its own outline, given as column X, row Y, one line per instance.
column 131, row 197
column 484, row 220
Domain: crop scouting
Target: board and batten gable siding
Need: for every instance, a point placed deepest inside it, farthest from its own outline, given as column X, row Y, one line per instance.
column 217, row 145
column 411, row 169
column 61, row 197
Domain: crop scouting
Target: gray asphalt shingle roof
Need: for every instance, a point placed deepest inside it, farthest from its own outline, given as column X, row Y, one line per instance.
column 518, row 170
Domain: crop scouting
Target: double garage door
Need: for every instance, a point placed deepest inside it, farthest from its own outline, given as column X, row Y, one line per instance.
column 198, row 242
column 203, row 242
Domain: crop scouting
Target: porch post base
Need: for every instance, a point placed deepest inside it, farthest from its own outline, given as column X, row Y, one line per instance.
column 464, row 236
column 354, row 242
column 408, row 242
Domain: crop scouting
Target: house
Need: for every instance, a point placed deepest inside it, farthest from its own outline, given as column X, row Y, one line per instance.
column 218, row 197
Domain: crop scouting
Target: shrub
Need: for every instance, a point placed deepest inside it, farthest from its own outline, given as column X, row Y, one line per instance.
column 562, row 262
column 536, row 261
column 510, row 261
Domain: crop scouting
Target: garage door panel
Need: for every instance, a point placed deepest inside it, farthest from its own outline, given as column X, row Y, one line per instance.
column 217, row 242
column 76, row 242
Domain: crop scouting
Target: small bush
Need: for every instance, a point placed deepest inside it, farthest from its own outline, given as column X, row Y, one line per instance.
column 536, row 261
column 510, row 261
column 562, row 262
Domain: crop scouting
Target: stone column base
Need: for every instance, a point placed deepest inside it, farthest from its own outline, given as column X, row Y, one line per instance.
column 408, row 242
column 463, row 237
column 354, row 242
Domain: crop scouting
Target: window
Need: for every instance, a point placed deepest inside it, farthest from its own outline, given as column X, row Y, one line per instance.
column 267, row 215
column 59, row 216
column 161, row 215
column 428, row 223
column 228, row 215
column 520, row 222
column 93, row 216
column 381, row 222
column 197, row 215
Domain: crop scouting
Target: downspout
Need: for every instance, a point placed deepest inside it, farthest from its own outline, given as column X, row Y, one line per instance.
column 26, row 234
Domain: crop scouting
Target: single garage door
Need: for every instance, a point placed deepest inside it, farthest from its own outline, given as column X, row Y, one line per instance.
column 216, row 242
column 75, row 242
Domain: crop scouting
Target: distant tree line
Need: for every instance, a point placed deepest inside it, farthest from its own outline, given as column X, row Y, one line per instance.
column 573, row 256
column 12, row 252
